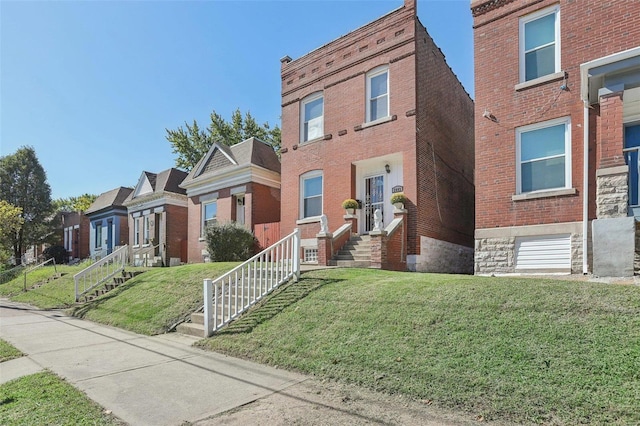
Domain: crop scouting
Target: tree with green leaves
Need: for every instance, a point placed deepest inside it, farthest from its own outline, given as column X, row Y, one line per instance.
column 74, row 204
column 23, row 183
column 191, row 142
column 10, row 223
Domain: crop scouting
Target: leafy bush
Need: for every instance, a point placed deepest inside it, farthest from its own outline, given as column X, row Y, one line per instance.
column 229, row 242
column 59, row 253
column 349, row 203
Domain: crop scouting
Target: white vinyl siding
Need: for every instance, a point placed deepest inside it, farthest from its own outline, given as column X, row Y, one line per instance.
column 544, row 253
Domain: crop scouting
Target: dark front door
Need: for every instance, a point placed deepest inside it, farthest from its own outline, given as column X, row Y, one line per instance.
column 109, row 236
column 373, row 200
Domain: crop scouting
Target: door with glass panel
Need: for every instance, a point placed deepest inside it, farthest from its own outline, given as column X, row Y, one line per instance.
column 373, row 200
column 631, row 151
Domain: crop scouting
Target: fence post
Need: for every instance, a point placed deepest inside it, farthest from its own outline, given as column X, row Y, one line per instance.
column 296, row 254
column 208, row 308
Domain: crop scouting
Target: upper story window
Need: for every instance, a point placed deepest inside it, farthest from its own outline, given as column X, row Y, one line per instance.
column 544, row 156
column 540, row 44
column 209, row 214
column 311, row 194
column 378, row 94
column 312, row 117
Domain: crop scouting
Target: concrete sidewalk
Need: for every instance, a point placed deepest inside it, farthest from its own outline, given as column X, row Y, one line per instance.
column 159, row 380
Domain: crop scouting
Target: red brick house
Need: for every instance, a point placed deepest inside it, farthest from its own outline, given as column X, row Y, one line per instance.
column 238, row 183
column 75, row 235
column 157, row 212
column 371, row 113
column 557, row 86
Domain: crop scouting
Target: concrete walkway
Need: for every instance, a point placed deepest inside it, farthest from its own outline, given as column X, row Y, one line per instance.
column 159, row 380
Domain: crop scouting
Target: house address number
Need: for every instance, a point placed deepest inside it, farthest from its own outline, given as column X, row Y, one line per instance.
column 397, row 188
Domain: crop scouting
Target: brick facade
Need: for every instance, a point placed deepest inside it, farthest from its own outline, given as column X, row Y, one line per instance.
column 262, row 205
column 430, row 117
column 589, row 30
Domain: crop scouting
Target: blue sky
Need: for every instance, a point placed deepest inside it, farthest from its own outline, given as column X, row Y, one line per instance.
column 92, row 85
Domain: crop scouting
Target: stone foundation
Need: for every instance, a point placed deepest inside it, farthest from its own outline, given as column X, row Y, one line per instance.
column 612, row 192
column 442, row 257
column 495, row 248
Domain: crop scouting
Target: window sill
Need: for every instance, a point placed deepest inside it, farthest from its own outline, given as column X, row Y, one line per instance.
column 312, row 219
column 540, row 80
column 376, row 122
column 544, row 194
column 135, row 246
column 201, row 239
column 326, row 137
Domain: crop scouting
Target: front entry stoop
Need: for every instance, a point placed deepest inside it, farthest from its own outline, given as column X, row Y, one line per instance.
column 356, row 253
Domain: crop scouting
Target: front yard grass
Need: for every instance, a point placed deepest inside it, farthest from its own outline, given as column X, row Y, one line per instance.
column 528, row 351
column 45, row 399
column 56, row 294
column 152, row 302
column 7, row 351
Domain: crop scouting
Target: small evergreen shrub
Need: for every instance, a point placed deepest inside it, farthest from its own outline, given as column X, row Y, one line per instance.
column 229, row 242
column 59, row 253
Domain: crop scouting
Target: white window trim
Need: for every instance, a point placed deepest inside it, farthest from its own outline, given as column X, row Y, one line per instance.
column 98, row 236
column 567, row 153
column 371, row 74
column 310, row 175
column 312, row 97
column 202, row 214
column 532, row 17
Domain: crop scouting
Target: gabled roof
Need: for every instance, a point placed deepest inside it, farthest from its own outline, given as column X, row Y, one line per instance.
column 222, row 159
column 110, row 199
column 158, row 183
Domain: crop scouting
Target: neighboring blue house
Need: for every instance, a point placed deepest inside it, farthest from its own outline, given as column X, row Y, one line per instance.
column 109, row 224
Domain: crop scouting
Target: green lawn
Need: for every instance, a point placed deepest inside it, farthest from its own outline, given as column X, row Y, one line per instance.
column 8, row 352
column 520, row 350
column 45, row 399
column 59, row 293
column 152, row 302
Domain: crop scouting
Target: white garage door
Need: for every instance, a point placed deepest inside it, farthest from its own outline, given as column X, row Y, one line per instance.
column 544, row 253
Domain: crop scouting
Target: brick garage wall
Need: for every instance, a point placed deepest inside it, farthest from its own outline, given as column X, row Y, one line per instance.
column 444, row 151
column 339, row 70
column 176, row 231
column 589, row 29
column 263, row 202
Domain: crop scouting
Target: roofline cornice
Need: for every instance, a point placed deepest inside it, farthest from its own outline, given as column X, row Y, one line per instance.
column 487, row 6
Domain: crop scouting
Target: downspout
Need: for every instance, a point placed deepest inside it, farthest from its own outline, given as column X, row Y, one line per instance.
column 584, row 95
column 585, row 187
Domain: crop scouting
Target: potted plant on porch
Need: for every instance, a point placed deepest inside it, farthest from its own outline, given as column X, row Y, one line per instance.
column 398, row 199
column 350, row 205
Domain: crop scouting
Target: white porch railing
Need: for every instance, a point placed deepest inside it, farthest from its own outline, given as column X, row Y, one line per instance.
column 101, row 271
column 228, row 296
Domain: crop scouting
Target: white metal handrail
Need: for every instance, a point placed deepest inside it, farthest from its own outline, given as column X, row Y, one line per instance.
column 231, row 294
column 101, row 271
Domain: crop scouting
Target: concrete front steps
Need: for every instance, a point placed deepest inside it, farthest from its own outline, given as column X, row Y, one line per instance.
column 356, row 253
column 47, row 280
column 107, row 287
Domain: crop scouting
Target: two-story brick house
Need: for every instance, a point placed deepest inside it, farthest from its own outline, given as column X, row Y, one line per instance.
column 371, row 113
column 557, row 86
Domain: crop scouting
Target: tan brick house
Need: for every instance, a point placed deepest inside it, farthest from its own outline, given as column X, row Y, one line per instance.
column 557, row 86
column 157, row 212
column 239, row 183
column 371, row 113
